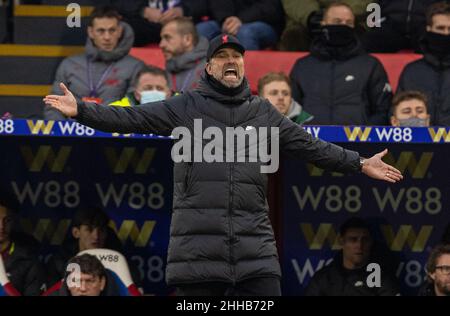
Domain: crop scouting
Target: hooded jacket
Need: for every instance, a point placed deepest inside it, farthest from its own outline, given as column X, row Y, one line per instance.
column 297, row 114
column 220, row 228
column 73, row 72
column 341, row 86
column 185, row 70
column 431, row 76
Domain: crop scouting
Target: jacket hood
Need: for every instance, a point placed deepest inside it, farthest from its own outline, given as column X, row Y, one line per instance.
column 209, row 87
column 190, row 59
column 294, row 109
column 432, row 59
column 321, row 50
column 123, row 46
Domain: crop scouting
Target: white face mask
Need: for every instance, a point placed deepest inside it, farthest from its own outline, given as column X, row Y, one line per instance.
column 148, row 96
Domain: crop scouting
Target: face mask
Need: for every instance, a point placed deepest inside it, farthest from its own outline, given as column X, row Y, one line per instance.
column 148, row 96
column 414, row 122
column 438, row 43
column 338, row 35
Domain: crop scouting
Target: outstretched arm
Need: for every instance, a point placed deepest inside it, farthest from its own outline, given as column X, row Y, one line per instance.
column 156, row 117
column 296, row 141
column 375, row 168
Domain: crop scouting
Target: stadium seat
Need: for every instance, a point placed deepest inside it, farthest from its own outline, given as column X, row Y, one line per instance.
column 6, row 288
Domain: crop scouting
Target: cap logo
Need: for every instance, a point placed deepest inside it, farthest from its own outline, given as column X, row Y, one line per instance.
column 225, row 39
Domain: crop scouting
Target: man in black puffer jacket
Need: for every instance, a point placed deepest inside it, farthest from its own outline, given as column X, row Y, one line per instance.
column 431, row 74
column 402, row 25
column 221, row 239
column 339, row 84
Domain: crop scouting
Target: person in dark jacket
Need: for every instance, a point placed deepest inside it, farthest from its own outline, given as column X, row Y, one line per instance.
column 401, row 26
column 438, row 272
column 256, row 23
column 348, row 274
column 18, row 252
column 221, row 239
column 431, row 74
column 147, row 17
column 338, row 83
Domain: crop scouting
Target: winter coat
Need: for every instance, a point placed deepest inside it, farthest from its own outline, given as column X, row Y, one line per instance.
column 430, row 75
column 341, row 86
column 220, row 228
column 185, row 70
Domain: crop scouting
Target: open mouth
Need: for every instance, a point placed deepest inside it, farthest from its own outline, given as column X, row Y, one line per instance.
column 230, row 73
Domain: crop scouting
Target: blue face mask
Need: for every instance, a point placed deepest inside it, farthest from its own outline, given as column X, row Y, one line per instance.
column 148, row 96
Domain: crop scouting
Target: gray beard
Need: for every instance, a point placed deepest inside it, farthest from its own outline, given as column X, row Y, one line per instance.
column 228, row 84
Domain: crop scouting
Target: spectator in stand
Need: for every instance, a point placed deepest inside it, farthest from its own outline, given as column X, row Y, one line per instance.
column 276, row 87
column 19, row 254
column 89, row 231
column 409, row 108
column 256, row 23
column 431, row 74
column 347, row 275
column 438, row 272
column 303, row 19
column 338, row 82
column 146, row 17
column 152, row 85
column 185, row 53
column 104, row 71
column 402, row 25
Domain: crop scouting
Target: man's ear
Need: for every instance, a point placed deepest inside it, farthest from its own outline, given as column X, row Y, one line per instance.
column 188, row 40
column 76, row 232
column 120, row 30
column 432, row 275
column 90, row 31
column 394, row 121
column 428, row 28
column 208, row 68
column 102, row 283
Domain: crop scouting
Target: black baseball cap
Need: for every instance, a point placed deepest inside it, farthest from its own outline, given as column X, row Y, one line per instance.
column 223, row 41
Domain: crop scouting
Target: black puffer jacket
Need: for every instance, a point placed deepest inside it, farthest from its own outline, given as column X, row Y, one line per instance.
column 335, row 280
column 406, row 16
column 220, row 228
column 430, row 75
column 341, row 86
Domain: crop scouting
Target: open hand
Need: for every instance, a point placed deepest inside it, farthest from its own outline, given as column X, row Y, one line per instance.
column 375, row 168
column 66, row 104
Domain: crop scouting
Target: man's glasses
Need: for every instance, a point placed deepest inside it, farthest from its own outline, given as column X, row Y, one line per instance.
column 444, row 269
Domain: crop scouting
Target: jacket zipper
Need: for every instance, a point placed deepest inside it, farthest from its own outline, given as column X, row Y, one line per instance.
column 230, row 213
column 408, row 17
